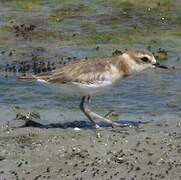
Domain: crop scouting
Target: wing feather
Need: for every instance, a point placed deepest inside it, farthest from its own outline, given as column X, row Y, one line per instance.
column 82, row 71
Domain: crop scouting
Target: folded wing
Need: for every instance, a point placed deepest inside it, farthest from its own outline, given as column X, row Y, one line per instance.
column 82, row 71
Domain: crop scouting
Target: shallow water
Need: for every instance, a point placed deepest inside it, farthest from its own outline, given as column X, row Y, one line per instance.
column 92, row 29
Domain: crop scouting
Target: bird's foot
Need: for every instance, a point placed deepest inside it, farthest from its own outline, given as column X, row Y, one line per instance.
column 97, row 126
column 114, row 124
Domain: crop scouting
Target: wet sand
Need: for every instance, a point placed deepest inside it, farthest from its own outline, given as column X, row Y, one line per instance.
column 150, row 151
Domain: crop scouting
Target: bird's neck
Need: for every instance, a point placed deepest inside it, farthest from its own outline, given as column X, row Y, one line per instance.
column 125, row 64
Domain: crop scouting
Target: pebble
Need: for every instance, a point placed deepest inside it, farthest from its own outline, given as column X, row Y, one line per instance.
column 37, row 177
column 2, row 158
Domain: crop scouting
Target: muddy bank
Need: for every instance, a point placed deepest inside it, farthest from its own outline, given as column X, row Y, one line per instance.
column 150, row 151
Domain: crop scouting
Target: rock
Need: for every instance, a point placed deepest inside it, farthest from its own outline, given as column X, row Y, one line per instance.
column 2, row 158
column 116, row 52
column 161, row 54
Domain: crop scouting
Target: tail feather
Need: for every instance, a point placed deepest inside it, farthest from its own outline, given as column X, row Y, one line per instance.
column 32, row 79
column 42, row 77
column 27, row 78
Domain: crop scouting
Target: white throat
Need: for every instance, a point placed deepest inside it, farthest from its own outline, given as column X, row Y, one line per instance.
column 135, row 67
column 141, row 67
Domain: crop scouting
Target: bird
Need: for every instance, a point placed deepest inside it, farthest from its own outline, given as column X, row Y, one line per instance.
column 94, row 77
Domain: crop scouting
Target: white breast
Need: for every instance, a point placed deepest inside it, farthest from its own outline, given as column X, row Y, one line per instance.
column 98, row 87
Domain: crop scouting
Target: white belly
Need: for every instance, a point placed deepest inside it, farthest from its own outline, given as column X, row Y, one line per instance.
column 99, row 87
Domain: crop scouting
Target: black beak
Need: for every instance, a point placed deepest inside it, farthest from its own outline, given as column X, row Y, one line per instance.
column 160, row 66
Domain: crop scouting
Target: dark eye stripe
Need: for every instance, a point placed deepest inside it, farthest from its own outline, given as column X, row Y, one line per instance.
column 144, row 59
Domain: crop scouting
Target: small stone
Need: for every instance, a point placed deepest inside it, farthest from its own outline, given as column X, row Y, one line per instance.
column 97, row 48
column 117, row 52
column 138, row 168
column 37, row 177
column 2, row 158
column 20, row 164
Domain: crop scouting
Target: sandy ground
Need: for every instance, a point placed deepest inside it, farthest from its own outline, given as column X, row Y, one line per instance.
column 150, row 151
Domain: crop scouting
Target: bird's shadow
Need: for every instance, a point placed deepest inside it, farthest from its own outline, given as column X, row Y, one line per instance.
column 79, row 124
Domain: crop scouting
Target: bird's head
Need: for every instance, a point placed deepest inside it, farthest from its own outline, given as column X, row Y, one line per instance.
column 141, row 59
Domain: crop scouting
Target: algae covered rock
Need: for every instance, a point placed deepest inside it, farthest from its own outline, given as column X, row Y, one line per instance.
column 161, row 54
column 25, row 114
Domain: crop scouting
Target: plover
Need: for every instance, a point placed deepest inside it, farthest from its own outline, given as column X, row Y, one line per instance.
column 89, row 78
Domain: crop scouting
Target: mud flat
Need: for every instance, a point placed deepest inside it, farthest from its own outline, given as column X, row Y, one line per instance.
column 150, row 151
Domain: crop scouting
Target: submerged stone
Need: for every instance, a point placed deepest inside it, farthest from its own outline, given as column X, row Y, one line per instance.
column 161, row 54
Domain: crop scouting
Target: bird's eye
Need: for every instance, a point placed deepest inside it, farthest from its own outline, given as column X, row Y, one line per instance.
column 144, row 59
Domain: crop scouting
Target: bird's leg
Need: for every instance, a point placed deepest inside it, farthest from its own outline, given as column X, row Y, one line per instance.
column 84, row 108
column 92, row 115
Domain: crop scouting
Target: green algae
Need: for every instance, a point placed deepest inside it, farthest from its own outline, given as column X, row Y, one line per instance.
column 69, row 11
column 109, row 24
column 161, row 54
column 26, row 5
column 74, row 109
column 176, row 33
